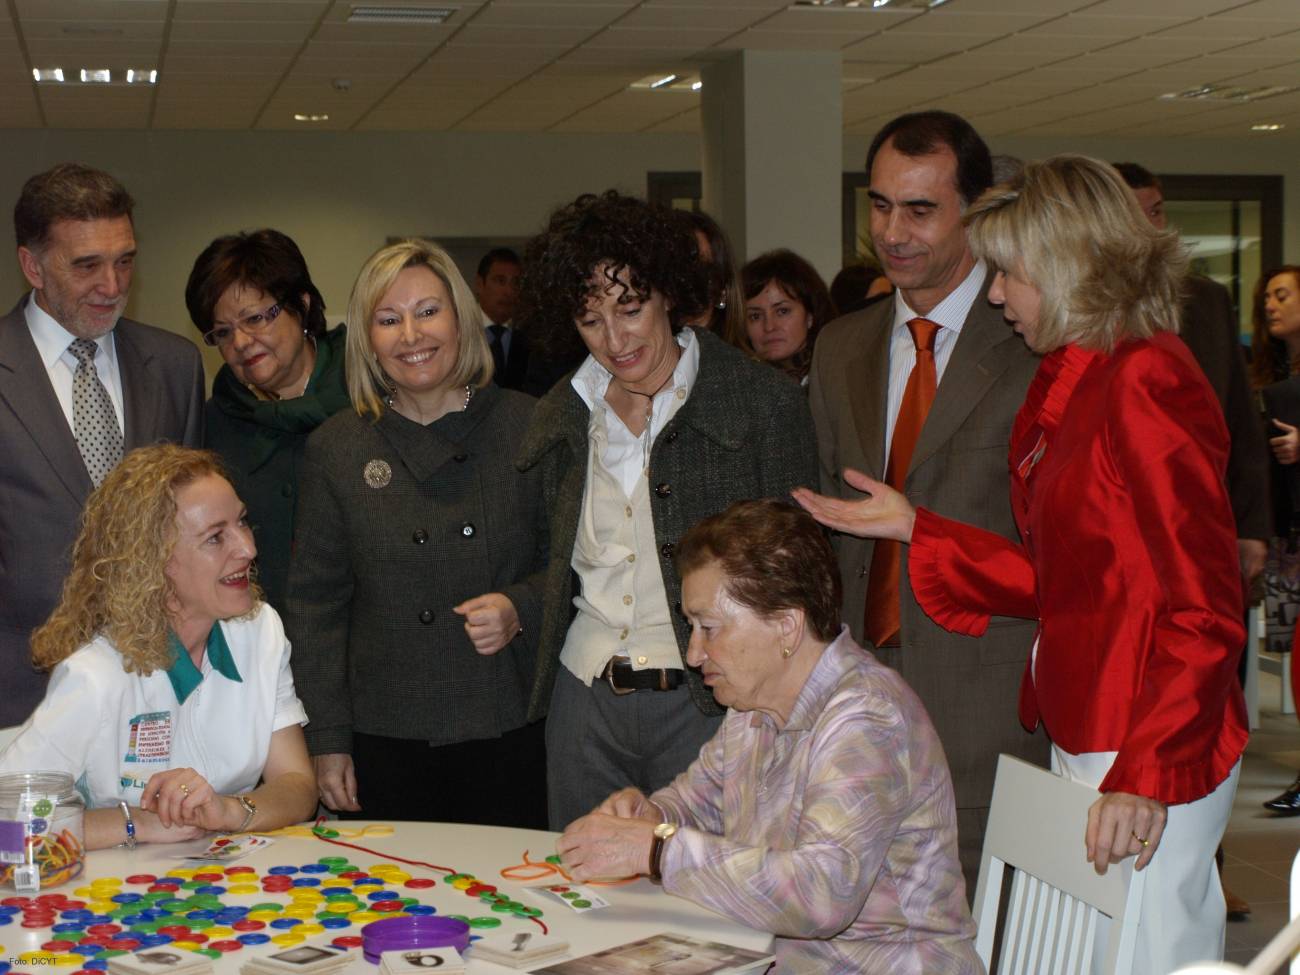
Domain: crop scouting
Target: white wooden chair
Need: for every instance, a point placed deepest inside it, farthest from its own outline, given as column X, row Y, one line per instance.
column 1060, row 913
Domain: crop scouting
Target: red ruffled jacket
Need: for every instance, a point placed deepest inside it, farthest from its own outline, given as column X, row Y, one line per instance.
column 1129, row 562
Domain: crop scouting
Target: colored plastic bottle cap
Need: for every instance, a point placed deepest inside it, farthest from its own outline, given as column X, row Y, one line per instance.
column 347, row 941
column 485, row 922
column 253, row 939
column 288, row 938
column 225, row 947
column 335, row 922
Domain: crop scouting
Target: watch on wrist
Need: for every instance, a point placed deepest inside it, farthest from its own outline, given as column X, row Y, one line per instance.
column 663, row 833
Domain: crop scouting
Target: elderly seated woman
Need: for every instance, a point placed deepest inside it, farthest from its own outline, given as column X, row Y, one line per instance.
column 171, row 697
column 822, row 810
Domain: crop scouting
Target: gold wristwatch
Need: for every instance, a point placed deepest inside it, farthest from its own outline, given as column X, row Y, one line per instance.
column 663, row 833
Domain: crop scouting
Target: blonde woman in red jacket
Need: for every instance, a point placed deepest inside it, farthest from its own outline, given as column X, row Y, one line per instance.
column 1128, row 555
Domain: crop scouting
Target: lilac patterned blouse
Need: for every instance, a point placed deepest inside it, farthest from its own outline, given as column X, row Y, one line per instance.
column 837, row 833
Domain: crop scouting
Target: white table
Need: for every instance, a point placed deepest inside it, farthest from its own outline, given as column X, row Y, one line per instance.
column 636, row 910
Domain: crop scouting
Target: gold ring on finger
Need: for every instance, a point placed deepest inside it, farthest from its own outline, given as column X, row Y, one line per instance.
column 185, row 788
column 1145, row 843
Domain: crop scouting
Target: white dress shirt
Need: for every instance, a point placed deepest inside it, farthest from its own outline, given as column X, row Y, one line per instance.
column 622, row 604
column 950, row 314
column 52, row 341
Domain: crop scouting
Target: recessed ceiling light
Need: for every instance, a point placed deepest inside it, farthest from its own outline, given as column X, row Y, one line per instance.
column 54, row 75
column 305, row 117
column 667, row 79
column 1267, row 127
column 141, row 76
column 96, row 76
column 1229, row 93
column 696, row 85
column 371, row 14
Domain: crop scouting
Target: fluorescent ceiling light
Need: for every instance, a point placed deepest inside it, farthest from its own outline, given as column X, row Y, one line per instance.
column 373, row 14
column 667, row 79
column 1267, row 127
column 1229, row 93
column 696, row 85
column 141, row 76
column 48, row 74
column 305, row 117
column 96, row 76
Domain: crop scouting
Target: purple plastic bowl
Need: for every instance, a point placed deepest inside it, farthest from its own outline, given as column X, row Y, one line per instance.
column 399, row 933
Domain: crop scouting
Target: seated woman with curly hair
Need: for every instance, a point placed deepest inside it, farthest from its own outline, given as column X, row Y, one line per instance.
column 171, row 697
column 660, row 426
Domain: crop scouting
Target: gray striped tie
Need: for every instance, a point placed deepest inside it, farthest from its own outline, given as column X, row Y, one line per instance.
column 99, row 438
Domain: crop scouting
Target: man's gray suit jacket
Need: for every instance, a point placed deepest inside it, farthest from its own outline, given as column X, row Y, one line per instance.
column 959, row 469
column 43, row 480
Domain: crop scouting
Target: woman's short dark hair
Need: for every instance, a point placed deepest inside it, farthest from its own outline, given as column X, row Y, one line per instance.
column 798, row 279
column 263, row 259
column 646, row 246
column 774, row 556
column 1269, row 360
column 725, row 312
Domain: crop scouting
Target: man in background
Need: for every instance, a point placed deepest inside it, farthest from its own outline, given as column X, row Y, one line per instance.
column 79, row 387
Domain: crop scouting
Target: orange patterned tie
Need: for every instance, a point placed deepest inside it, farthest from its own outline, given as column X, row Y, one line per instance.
column 880, row 623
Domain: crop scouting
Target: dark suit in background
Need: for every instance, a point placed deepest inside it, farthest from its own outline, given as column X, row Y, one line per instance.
column 960, row 469
column 43, row 480
column 1210, row 330
column 510, row 359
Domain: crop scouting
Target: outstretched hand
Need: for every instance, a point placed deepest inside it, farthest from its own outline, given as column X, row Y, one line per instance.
column 884, row 513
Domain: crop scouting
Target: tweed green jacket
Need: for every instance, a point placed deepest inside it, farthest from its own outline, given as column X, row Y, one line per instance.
column 744, row 432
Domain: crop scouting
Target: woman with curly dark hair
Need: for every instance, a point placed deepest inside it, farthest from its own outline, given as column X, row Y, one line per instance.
column 660, row 426
column 786, row 303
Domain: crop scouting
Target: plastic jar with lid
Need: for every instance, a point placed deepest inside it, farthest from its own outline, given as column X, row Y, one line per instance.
column 42, row 830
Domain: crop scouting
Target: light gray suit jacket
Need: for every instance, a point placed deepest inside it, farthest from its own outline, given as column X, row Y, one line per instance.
column 43, row 480
column 970, row 686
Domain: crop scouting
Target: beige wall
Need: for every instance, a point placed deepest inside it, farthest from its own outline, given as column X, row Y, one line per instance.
column 340, row 195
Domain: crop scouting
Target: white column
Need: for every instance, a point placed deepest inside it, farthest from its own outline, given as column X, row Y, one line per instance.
column 772, row 152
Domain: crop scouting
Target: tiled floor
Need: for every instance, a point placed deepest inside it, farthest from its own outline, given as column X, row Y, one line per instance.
column 1259, row 847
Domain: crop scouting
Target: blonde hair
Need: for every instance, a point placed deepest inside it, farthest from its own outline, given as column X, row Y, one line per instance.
column 1073, row 226
column 368, row 386
column 118, row 586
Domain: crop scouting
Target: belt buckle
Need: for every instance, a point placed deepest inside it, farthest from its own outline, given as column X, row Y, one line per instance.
column 609, row 679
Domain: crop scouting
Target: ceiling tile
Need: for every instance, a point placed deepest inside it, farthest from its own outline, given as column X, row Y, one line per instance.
column 905, row 48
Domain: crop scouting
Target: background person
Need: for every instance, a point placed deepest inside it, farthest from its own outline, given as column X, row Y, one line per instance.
column 82, row 385
column 1129, row 561
column 161, row 638
column 251, row 297
column 786, row 304
column 858, row 285
column 822, row 810
column 414, row 537
column 1276, row 317
column 496, row 286
column 659, row 427
column 725, row 315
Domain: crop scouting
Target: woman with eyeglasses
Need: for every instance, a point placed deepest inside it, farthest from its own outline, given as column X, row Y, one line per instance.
column 252, row 298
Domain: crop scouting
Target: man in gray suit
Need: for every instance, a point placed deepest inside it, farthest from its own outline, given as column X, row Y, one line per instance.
column 925, row 168
column 79, row 386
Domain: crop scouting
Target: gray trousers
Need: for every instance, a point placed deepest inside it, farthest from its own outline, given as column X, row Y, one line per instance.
column 598, row 742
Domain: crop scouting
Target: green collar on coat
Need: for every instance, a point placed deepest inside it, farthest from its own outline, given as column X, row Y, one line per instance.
column 184, row 676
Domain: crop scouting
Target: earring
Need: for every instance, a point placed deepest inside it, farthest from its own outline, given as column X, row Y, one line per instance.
column 786, row 652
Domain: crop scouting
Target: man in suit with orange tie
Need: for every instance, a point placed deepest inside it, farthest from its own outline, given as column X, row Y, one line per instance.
column 921, row 391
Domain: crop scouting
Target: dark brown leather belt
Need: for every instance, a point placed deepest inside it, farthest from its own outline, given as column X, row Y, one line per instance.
column 624, row 678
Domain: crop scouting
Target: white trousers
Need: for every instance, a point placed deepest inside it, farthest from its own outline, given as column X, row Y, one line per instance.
column 1183, row 915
